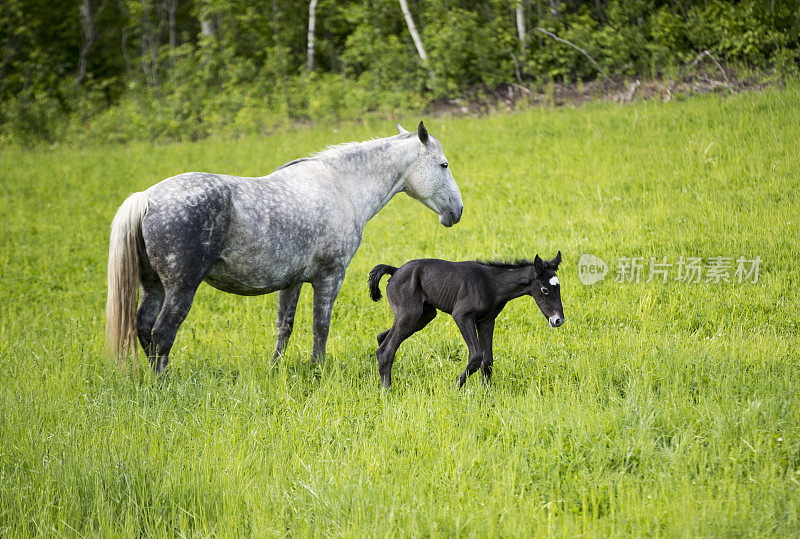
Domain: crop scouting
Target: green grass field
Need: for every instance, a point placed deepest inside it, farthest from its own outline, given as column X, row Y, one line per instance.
column 657, row 409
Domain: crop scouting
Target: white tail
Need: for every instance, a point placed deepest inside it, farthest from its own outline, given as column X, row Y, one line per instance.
column 123, row 276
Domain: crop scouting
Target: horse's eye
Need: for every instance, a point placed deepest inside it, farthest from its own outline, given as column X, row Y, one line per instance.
column 545, row 291
column 443, row 165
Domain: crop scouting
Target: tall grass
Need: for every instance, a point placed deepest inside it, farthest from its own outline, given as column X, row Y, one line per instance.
column 658, row 409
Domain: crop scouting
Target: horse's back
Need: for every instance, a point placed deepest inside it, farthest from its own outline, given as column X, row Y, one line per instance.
column 243, row 235
column 185, row 225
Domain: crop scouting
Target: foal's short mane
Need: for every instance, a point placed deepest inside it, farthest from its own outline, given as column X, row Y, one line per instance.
column 507, row 264
column 345, row 150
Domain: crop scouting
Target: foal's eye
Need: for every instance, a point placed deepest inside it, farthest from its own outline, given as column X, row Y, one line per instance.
column 545, row 291
column 443, row 165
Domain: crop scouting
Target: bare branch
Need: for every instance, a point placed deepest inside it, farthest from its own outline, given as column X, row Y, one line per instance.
column 705, row 53
column 516, row 67
column 574, row 46
column 412, row 28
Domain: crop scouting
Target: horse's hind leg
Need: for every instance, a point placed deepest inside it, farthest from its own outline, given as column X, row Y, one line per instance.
column 152, row 300
column 287, row 305
column 177, row 302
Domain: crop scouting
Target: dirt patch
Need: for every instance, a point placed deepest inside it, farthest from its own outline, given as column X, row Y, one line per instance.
column 509, row 97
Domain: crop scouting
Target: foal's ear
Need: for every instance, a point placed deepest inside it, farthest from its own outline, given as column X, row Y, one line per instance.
column 538, row 265
column 423, row 133
column 400, row 129
column 556, row 261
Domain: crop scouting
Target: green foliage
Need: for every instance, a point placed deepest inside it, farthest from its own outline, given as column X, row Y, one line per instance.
column 152, row 54
column 656, row 410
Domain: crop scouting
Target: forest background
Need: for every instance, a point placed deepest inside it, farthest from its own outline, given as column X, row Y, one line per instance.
column 122, row 70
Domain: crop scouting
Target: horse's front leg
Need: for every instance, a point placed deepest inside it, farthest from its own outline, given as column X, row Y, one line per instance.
column 287, row 305
column 326, row 289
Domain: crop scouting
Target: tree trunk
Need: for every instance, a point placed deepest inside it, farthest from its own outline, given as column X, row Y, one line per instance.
column 539, row 22
column 312, row 21
column 207, row 27
column 520, row 11
column 279, row 51
column 412, row 28
column 172, row 10
column 149, row 46
column 89, row 22
column 8, row 48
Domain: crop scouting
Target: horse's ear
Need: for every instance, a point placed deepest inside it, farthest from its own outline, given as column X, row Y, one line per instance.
column 538, row 265
column 423, row 133
column 556, row 261
column 400, row 129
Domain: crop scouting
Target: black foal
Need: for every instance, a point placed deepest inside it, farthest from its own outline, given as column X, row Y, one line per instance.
column 473, row 293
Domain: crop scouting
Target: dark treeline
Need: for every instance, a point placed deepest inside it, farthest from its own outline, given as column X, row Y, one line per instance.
column 186, row 68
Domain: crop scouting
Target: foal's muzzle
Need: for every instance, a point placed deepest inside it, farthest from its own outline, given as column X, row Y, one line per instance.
column 556, row 320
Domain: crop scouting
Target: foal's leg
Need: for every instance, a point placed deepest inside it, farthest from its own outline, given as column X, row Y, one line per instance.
column 382, row 336
column 326, row 289
column 177, row 302
column 485, row 336
column 287, row 305
column 428, row 314
column 466, row 324
column 406, row 320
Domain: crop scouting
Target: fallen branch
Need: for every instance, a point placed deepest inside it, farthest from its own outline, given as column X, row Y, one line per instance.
column 516, row 67
column 708, row 54
column 522, row 89
column 574, row 46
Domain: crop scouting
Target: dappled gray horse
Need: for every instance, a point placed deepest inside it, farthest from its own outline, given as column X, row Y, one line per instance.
column 250, row 236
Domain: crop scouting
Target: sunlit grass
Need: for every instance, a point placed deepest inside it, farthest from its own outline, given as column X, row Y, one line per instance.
column 657, row 409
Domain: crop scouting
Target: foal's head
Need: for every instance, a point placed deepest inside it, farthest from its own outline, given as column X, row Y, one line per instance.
column 429, row 180
column 546, row 289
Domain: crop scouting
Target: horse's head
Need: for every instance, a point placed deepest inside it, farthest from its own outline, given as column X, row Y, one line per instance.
column 430, row 181
column 546, row 290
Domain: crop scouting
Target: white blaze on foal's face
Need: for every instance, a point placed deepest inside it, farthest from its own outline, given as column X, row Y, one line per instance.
column 553, row 280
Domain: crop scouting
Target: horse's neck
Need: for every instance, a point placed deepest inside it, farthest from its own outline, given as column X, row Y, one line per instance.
column 513, row 283
column 373, row 180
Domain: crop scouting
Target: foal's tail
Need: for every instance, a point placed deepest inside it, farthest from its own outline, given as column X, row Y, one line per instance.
column 123, row 275
column 375, row 278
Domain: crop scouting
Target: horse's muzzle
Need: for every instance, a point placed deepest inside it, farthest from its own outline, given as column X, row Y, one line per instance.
column 450, row 217
column 556, row 320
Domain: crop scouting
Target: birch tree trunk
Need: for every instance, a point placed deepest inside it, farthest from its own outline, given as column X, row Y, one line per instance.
column 312, row 21
column 206, row 24
column 412, row 28
column 520, row 11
